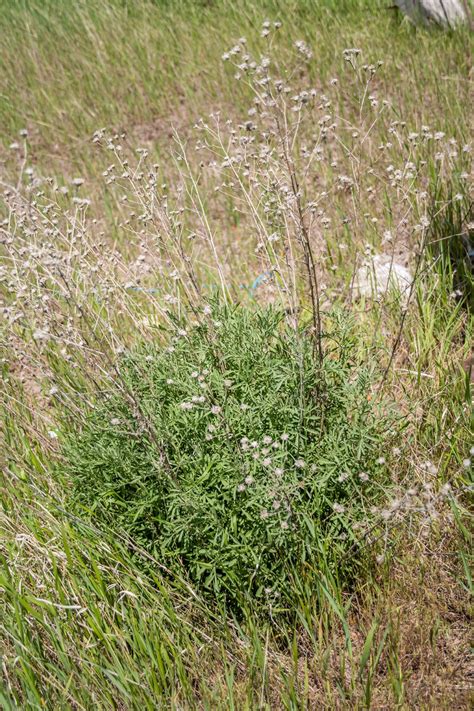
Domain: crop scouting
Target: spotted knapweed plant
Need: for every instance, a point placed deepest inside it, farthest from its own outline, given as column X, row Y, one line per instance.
column 233, row 457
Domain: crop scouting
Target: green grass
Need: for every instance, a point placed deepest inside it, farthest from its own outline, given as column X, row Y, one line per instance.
column 91, row 614
column 70, row 68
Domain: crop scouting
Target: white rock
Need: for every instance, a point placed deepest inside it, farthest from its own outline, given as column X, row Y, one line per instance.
column 443, row 12
column 379, row 274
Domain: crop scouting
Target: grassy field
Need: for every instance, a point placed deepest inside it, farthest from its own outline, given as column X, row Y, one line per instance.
column 178, row 215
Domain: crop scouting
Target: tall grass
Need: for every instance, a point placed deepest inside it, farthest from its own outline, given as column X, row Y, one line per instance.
column 106, row 249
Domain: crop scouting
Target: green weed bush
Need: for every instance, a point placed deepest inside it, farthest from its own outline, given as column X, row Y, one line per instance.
column 233, row 456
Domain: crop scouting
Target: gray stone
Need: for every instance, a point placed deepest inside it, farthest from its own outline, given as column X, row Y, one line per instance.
column 447, row 13
column 378, row 275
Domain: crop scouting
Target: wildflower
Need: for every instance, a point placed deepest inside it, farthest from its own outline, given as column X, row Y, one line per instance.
column 254, row 444
column 285, row 437
column 264, row 514
column 303, row 49
column 284, row 525
column 466, row 463
column 186, row 406
column 338, row 508
column 267, row 440
column 170, row 381
column 396, row 451
column 244, row 407
column 23, row 133
column 52, row 434
column 342, row 477
column 445, row 489
column 249, row 480
column 267, row 461
column 211, row 428
column 278, row 471
column 363, row 476
column 115, row 421
column 276, row 504
column 471, row 451
column 228, row 383
column 216, row 409
column 208, row 437
column 53, row 390
column 194, row 374
column 380, row 460
column 40, row 335
column 300, row 464
column 241, row 487
column 78, row 181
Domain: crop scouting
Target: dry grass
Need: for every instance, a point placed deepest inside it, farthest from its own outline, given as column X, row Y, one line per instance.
column 151, row 70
